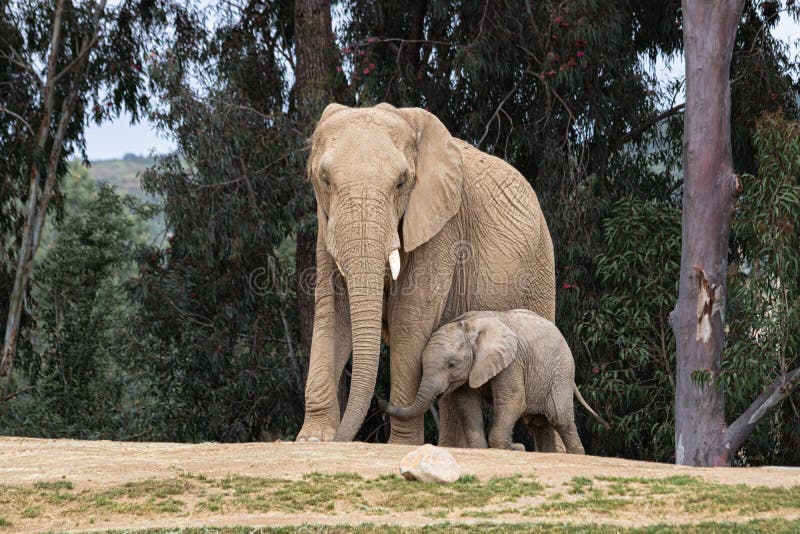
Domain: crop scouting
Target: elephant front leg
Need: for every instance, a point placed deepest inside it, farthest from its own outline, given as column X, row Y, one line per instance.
column 414, row 310
column 451, row 432
column 468, row 404
column 330, row 349
column 405, row 368
column 504, row 418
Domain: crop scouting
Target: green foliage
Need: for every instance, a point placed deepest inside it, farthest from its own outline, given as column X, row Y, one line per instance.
column 77, row 386
column 763, row 315
column 104, row 82
column 571, row 104
column 639, row 273
column 215, row 316
column 627, row 334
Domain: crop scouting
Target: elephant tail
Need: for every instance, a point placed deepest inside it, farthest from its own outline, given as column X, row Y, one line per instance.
column 589, row 409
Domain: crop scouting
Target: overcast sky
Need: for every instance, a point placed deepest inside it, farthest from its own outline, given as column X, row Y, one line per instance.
column 114, row 139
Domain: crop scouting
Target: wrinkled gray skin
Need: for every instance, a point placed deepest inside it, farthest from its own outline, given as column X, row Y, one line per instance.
column 517, row 360
column 469, row 234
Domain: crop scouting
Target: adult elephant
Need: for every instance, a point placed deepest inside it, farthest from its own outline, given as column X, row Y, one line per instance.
column 461, row 230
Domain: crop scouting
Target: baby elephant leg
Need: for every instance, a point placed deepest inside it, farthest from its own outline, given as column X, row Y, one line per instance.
column 505, row 416
column 468, row 404
column 569, row 434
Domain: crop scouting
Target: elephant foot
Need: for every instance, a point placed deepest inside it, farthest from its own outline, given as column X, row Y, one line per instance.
column 519, row 447
column 395, row 439
column 406, row 434
column 315, row 434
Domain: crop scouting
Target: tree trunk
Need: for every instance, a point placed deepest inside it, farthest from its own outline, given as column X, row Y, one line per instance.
column 317, row 84
column 28, row 248
column 38, row 201
column 709, row 31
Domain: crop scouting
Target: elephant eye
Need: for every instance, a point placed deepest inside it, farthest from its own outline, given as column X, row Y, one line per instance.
column 451, row 364
column 326, row 180
column 402, row 182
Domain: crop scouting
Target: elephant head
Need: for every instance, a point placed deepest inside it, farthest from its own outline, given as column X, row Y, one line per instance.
column 474, row 348
column 386, row 181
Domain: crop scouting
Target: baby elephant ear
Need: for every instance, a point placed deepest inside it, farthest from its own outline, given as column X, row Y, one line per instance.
column 494, row 347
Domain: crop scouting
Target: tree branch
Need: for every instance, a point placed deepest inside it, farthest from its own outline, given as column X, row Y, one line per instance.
column 78, row 66
column 18, row 392
column 636, row 132
column 26, row 66
column 497, row 111
column 87, row 45
column 7, row 111
column 736, row 433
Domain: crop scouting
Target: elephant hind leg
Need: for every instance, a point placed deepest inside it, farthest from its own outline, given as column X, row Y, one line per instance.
column 545, row 437
column 569, row 434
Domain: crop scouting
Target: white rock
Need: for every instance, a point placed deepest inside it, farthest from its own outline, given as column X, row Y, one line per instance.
column 430, row 464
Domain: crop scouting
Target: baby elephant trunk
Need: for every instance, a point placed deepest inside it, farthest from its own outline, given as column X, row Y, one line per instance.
column 427, row 392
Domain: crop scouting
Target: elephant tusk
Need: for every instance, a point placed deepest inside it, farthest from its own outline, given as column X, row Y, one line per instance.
column 339, row 266
column 394, row 263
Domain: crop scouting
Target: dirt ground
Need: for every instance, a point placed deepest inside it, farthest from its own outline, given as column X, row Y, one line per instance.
column 104, row 464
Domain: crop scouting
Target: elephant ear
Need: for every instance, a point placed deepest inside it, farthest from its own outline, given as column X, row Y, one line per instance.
column 330, row 109
column 436, row 196
column 494, row 346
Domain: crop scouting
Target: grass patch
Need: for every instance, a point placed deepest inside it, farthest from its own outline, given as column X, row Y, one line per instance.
column 768, row 526
column 31, row 511
column 340, row 494
column 61, row 499
column 319, row 493
column 579, row 485
column 699, row 496
column 596, row 502
column 59, row 485
column 684, row 494
column 437, row 514
column 327, row 493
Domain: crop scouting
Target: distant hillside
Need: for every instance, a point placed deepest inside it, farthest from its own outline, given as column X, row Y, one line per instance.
column 122, row 173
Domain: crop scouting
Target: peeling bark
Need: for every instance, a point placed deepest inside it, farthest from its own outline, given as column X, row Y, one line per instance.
column 710, row 300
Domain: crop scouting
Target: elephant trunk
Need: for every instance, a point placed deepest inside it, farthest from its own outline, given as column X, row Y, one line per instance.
column 362, row 243
column 426, row 393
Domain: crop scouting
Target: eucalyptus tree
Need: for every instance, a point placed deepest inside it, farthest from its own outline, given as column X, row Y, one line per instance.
column 64, row 64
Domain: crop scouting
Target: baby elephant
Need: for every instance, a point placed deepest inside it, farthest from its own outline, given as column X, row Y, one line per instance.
column 517, row 360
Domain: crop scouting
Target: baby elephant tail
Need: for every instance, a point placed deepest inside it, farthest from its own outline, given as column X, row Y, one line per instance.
column 589, row 409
